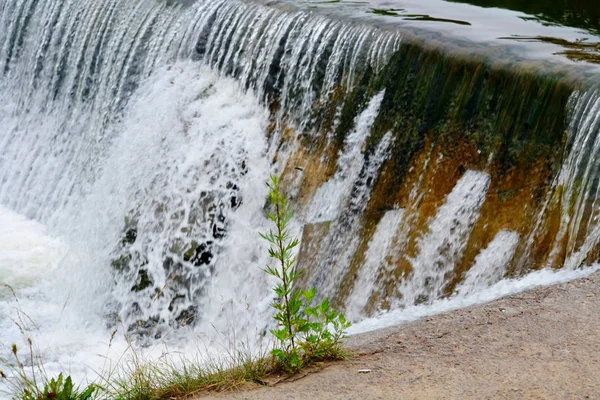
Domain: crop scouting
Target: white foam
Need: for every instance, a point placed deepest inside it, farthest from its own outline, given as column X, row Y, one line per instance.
column 503, row 288
column 27, row 253
column 182, row 119
column 490, row 264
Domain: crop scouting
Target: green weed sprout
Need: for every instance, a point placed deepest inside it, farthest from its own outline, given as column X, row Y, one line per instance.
column 305, row 333
column 39, row 386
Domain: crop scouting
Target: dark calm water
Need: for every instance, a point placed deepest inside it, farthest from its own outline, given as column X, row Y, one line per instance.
column 584, row 14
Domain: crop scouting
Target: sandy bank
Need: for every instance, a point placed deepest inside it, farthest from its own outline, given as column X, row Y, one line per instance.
column 542, row 344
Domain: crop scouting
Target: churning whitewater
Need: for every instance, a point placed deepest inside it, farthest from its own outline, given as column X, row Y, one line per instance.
column 135, row 140
column 192, row 134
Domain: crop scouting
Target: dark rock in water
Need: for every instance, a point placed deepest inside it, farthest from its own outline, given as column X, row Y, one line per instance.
column 130, row 237
column 185, row 235
column 175, row 303
column 144, row 281
column 146, row 327
column 218, row 232
column 190, row 252
column 135, row 309
column 122, row 263
column 199, row 254
column 235, row 200
column 187, row 316
column 168, row 264
column 204, row 255
column 232, row 186
column 244, row 168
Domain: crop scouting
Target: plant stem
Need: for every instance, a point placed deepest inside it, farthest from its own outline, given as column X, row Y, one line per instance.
column 286, row 300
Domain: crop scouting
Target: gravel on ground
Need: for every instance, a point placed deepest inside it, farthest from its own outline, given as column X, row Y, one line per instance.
column 541, row 344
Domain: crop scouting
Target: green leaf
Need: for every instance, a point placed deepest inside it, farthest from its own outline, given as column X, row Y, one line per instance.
column 325, row 306
column 312, row 339
column 279, row 290
column 279, row 353
column 309, row 295
column 342, row 319
column 68, row 387
column 316, row 326
column 303, row 326
column 88, row 393
column 272, row 271
column 332, row 315
column 294, row 360
column 295, row 306
column 281, row 335
column 311, row 312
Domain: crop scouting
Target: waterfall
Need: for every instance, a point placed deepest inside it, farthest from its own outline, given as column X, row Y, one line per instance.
column 333, row 197
column 490, row 265
column 75, row 64
column 579, row 179
column 441, row 248
column 380, row 247
column 136, row 137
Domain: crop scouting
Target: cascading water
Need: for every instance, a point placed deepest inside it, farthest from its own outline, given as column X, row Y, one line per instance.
column 135, row 139
column 490, row 265
column 579, row 181
column 379, row 250
column 332, row 197
column 440, row 250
